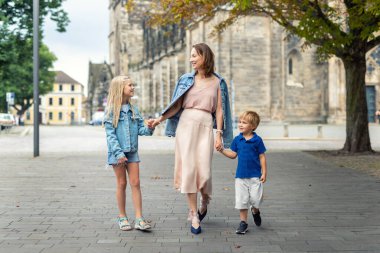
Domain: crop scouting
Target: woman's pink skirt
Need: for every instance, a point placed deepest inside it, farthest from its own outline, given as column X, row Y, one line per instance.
column 194, row 147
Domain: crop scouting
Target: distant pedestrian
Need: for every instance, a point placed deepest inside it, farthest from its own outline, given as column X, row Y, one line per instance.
column 378, row 116
column 123, row 124
column 251, row 170
column 199, row 104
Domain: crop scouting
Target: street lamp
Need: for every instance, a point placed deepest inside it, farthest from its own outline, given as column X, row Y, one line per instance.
column 36, row 10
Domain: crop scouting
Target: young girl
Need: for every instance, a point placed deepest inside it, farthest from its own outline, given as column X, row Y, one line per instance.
column 123, row 124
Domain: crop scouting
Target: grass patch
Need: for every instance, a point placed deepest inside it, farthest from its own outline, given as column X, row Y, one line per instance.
column 365, row 162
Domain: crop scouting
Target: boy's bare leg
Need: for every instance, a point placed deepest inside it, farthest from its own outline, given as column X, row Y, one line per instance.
column 244, row 215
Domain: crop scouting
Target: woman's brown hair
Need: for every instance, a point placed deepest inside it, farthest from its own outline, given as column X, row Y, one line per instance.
column 208, row 56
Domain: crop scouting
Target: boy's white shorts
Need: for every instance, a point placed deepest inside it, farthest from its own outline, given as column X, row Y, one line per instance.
column 248, row 192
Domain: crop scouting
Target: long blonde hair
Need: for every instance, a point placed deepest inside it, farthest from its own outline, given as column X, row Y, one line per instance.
column 115, row 97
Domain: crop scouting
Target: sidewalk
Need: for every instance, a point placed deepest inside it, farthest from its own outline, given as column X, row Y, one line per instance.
column 63, row 202
column 74, row 139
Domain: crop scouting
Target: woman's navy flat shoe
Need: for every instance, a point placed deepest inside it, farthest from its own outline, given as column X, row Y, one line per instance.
column 196, row 230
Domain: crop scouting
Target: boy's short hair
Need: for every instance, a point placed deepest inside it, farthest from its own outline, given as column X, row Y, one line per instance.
column 252, row 117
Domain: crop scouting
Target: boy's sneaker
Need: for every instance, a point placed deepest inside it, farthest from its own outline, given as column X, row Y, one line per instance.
column 243, row 227
column 256, row 217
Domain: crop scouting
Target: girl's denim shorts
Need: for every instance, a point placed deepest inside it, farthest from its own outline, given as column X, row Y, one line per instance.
column 133, row 157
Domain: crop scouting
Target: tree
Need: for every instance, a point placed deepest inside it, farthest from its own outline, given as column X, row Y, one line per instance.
column 17, row 75
column 344, row 28
column 16, row 57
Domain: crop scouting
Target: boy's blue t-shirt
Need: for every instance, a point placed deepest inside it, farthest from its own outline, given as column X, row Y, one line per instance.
column 248, row 152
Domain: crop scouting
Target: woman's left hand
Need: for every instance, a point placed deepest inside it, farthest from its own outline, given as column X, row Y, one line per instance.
column 218, row 142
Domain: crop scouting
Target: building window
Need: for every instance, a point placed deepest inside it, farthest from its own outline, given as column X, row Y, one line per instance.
column 60, row 115
column 50, row 101
column 60, row 87
column 60, row 101
column 72, row 101
column 72, row 87
column 27, row 115
column 290, row 66
column 50, row 116
column 294, row 73
column 72, row 116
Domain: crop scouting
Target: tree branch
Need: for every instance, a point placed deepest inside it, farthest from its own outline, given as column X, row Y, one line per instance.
column 373, row 43
column 349, row 3
column 333, row 27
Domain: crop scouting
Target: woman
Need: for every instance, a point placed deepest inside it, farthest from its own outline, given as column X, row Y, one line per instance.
column 200, row 101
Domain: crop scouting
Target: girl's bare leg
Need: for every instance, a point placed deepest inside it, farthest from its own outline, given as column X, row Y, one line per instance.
column 134, row 181
column 121, row 184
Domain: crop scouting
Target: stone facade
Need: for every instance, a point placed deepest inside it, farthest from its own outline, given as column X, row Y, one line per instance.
column 99, row 77
column 264, row 72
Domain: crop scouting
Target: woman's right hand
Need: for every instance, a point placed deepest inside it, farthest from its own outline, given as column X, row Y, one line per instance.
column 155, row 122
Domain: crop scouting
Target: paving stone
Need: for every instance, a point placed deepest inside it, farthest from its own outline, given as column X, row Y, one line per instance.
column 52, row 216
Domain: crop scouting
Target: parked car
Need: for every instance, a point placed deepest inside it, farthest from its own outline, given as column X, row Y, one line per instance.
column 97, row 118
column 6, row 120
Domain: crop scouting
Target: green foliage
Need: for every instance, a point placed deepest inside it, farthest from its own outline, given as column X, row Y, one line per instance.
column 18, row 14
column 17, row 74
column 16, row 49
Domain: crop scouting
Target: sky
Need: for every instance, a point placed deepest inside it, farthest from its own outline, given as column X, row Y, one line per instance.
column 85, row 39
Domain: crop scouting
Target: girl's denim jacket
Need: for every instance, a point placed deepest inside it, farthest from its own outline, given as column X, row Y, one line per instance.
column 124, row 138
column 184, row 83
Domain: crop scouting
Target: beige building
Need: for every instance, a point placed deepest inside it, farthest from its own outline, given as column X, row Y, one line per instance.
column 64, row 105
column 264, row 71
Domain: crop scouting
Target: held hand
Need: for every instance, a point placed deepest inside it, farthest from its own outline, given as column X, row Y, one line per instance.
column 220, row 149
column 263, row 178
column 155, row 122
column 122, row 160
column 218, row 144
column 149, row 122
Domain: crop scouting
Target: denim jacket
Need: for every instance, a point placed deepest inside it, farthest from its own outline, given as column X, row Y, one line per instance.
column 184, row 83
column 124, row 138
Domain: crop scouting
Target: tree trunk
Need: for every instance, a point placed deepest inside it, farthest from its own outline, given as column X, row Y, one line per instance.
column 357, row 131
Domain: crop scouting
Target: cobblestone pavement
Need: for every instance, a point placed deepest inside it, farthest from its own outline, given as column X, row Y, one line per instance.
column 63, row 201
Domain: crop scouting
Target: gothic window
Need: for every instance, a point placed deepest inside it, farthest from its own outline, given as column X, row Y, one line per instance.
column 294, row 75
column 290, row 66
column 373, row 66
column 370, row 68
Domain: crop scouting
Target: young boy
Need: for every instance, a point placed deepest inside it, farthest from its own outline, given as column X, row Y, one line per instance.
column 251, row 171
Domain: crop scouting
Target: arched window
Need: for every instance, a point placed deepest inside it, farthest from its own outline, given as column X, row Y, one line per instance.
column 290, row 66
column 373, row 66
column 294, row 74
